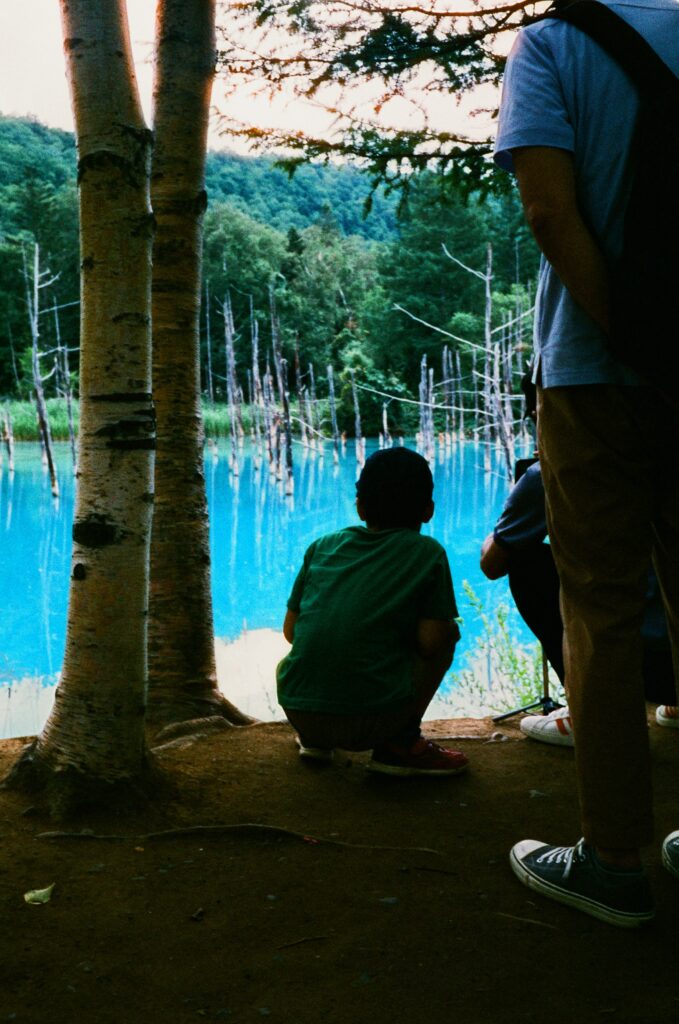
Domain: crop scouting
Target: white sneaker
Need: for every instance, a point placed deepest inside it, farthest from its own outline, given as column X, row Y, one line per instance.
column 313, row 753
column 555, row 728
column 667, row 715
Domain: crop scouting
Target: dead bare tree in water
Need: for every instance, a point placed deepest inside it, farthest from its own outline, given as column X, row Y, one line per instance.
column 35, row 281
column 281, row 370
column 314, row 413
column 426, row 432
column 232, row 389
column 385, row 436
column 8, row 437
column 63, row 377
column 359, row 442
column 257, row 399
column 208, row 345
column 333, row 415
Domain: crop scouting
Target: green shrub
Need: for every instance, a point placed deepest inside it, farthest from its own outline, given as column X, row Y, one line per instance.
column 216, row 419
column 500, row 673
column 25, row 422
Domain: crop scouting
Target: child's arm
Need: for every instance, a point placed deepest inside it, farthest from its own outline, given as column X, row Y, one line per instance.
column 436, row 638
column 289, row 625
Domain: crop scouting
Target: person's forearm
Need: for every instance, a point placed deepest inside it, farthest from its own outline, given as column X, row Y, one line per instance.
column 546, row 179
column 569, row 247
column 494, row 560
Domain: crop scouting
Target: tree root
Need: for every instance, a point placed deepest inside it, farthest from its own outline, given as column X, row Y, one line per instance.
column 168, row 713
column 245, row 829
column 64, row 791
column 193, row 727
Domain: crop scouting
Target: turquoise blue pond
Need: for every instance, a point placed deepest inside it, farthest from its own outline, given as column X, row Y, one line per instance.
column 258, row 538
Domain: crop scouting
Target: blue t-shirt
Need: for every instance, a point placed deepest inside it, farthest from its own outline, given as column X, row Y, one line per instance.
column 523, row 521
column 562, row 90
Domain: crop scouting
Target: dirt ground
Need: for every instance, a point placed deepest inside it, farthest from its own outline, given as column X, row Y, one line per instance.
column 331, row 896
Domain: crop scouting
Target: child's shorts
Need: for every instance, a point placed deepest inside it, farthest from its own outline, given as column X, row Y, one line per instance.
column 355, row 732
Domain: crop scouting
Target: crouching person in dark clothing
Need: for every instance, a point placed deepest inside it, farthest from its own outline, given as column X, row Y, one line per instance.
column 371, row 620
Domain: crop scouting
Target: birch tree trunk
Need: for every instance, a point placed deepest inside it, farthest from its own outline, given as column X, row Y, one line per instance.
column 94, row 737
column 182, row 670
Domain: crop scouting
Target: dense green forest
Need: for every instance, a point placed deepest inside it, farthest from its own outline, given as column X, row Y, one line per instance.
column 301, row 246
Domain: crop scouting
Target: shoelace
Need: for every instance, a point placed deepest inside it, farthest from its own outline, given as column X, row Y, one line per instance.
column 565, row 855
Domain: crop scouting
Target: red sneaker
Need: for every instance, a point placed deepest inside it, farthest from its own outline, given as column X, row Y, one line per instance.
column 424, row 758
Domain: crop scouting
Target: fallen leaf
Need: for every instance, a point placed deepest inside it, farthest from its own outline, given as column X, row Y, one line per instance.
column 39, row 895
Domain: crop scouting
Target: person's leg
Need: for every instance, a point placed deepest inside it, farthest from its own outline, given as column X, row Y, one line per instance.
column 666, row 562
column 534, row 584
column 406, row 751
column 363, row 731
column 394, row 735
column 596, row 456
column 657, row 668
column 658, row 672
column 599, row 486
column 427, row 677
column 389, row 734
column 666, row 559
column 324, row 730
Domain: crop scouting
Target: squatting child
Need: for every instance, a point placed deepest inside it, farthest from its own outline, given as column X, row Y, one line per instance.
column 371, row 620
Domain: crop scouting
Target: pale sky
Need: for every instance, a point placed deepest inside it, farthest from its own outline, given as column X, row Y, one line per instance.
column 33, row 81
column 32, row 69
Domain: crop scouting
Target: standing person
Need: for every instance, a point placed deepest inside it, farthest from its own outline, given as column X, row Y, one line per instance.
column 516, row 549
column 607, row 444
column 371, row 620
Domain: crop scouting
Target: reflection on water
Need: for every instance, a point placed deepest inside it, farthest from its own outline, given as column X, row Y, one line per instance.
column 258, row 538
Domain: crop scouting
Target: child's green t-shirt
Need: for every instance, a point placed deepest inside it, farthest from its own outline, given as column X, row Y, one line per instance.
column 360, row 595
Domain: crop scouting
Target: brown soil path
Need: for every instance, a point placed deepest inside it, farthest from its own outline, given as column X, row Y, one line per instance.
column 366, row 926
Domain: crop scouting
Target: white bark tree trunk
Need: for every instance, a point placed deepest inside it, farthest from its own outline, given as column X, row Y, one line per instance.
column 95, row 734
column 182, row 676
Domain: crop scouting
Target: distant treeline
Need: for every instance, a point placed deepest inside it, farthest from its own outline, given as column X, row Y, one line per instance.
column 30, row 150
column 369, row 295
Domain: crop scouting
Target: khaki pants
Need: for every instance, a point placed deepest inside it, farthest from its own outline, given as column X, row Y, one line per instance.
column 611, row 471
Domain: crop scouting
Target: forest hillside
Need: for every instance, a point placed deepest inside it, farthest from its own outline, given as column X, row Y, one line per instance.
column 369, row 294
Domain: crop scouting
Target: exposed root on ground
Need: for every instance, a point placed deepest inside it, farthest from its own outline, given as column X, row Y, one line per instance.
column 243, row 829
column 64, row 791
column 164, row 713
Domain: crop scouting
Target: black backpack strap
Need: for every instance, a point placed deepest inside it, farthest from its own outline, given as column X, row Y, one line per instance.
column 623, row 43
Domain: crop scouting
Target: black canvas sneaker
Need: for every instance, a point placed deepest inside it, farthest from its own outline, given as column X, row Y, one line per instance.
column 574, row 875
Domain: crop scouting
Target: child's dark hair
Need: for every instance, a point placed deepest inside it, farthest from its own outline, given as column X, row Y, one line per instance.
column 395, row 488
